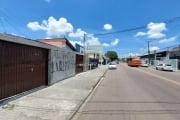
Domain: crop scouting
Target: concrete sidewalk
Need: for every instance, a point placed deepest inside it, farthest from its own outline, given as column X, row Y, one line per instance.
column 57, row 102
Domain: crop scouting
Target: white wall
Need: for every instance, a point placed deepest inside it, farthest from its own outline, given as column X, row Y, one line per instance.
column 61, row 65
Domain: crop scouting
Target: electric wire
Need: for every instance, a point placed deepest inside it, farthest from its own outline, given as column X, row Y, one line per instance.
column 2, row 24
column 169, row 21
column 8, row 18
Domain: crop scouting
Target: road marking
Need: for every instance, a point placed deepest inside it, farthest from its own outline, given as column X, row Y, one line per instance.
column 160, row 77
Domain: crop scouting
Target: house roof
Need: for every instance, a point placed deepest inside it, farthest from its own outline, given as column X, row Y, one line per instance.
column 24, row 41
column 55, row 41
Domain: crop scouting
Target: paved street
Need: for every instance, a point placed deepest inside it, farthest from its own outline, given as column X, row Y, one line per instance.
column 130, row 93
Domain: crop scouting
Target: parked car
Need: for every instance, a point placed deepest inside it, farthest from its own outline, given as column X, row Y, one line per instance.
column 144, row 65
column 164, row 66
column 117, row 61
column 112, row 65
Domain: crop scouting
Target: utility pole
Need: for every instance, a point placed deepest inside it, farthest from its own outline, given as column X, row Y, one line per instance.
column 84, row 58
column 148, row 53
column 154, row 54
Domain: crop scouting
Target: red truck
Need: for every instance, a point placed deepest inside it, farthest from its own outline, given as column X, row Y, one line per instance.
column 134, row 62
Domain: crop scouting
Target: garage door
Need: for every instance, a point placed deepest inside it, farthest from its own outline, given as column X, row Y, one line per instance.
column 22, row 68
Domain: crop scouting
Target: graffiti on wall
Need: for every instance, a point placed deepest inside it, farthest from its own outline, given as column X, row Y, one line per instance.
column 63, row 61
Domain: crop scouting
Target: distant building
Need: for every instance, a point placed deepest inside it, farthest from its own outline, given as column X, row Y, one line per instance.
column 176, row 48
column 171, row 56
column 175, row 53
column 79, row 48
column 94, row 51
column 158, row 56
column 95, row 54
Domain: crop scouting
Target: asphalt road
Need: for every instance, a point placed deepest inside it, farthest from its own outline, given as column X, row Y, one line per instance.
column 130, row 93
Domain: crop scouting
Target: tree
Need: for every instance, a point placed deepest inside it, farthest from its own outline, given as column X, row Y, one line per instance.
column 112, row 55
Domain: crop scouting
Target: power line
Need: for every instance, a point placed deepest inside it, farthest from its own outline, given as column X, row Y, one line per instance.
column 7, row 17
column 170, row 47
column 121, row 31
column 164, row 48
column 172, row 20
column 2, row 24
column 137, row 28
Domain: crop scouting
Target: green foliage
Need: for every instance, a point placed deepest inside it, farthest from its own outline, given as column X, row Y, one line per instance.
column 112, row 55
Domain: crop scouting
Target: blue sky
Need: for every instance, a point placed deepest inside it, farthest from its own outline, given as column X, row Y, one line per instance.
column 37, row 19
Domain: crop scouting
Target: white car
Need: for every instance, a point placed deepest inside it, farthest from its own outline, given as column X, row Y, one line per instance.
column 144, row 65
column 164, row 66
column 112, row 65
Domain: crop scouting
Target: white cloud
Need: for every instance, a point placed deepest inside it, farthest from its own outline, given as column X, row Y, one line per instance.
column 52, row 26
column 133, row 54
column 74, row 42
column 143, row 50
column 107, row 26
column 78, row 34
column 35, row 26
column 91, row 40
column 153, row 48
column 172, row 39
column 155, row 31
column 141, row 34
column 115, row 42
column 47, row 38
column 106, row 44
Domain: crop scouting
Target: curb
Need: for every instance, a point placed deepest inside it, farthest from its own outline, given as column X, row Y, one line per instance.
column 75, row 114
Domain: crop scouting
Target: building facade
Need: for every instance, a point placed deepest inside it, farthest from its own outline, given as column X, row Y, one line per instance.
column 26, row 64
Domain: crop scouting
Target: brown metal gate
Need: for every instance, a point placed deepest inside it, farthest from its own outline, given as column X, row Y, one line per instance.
column 21, row 68
column 79, row 63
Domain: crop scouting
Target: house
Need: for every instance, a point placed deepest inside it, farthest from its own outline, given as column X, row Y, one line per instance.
column 63, row 63
column 26, row 64
column 23, row 65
